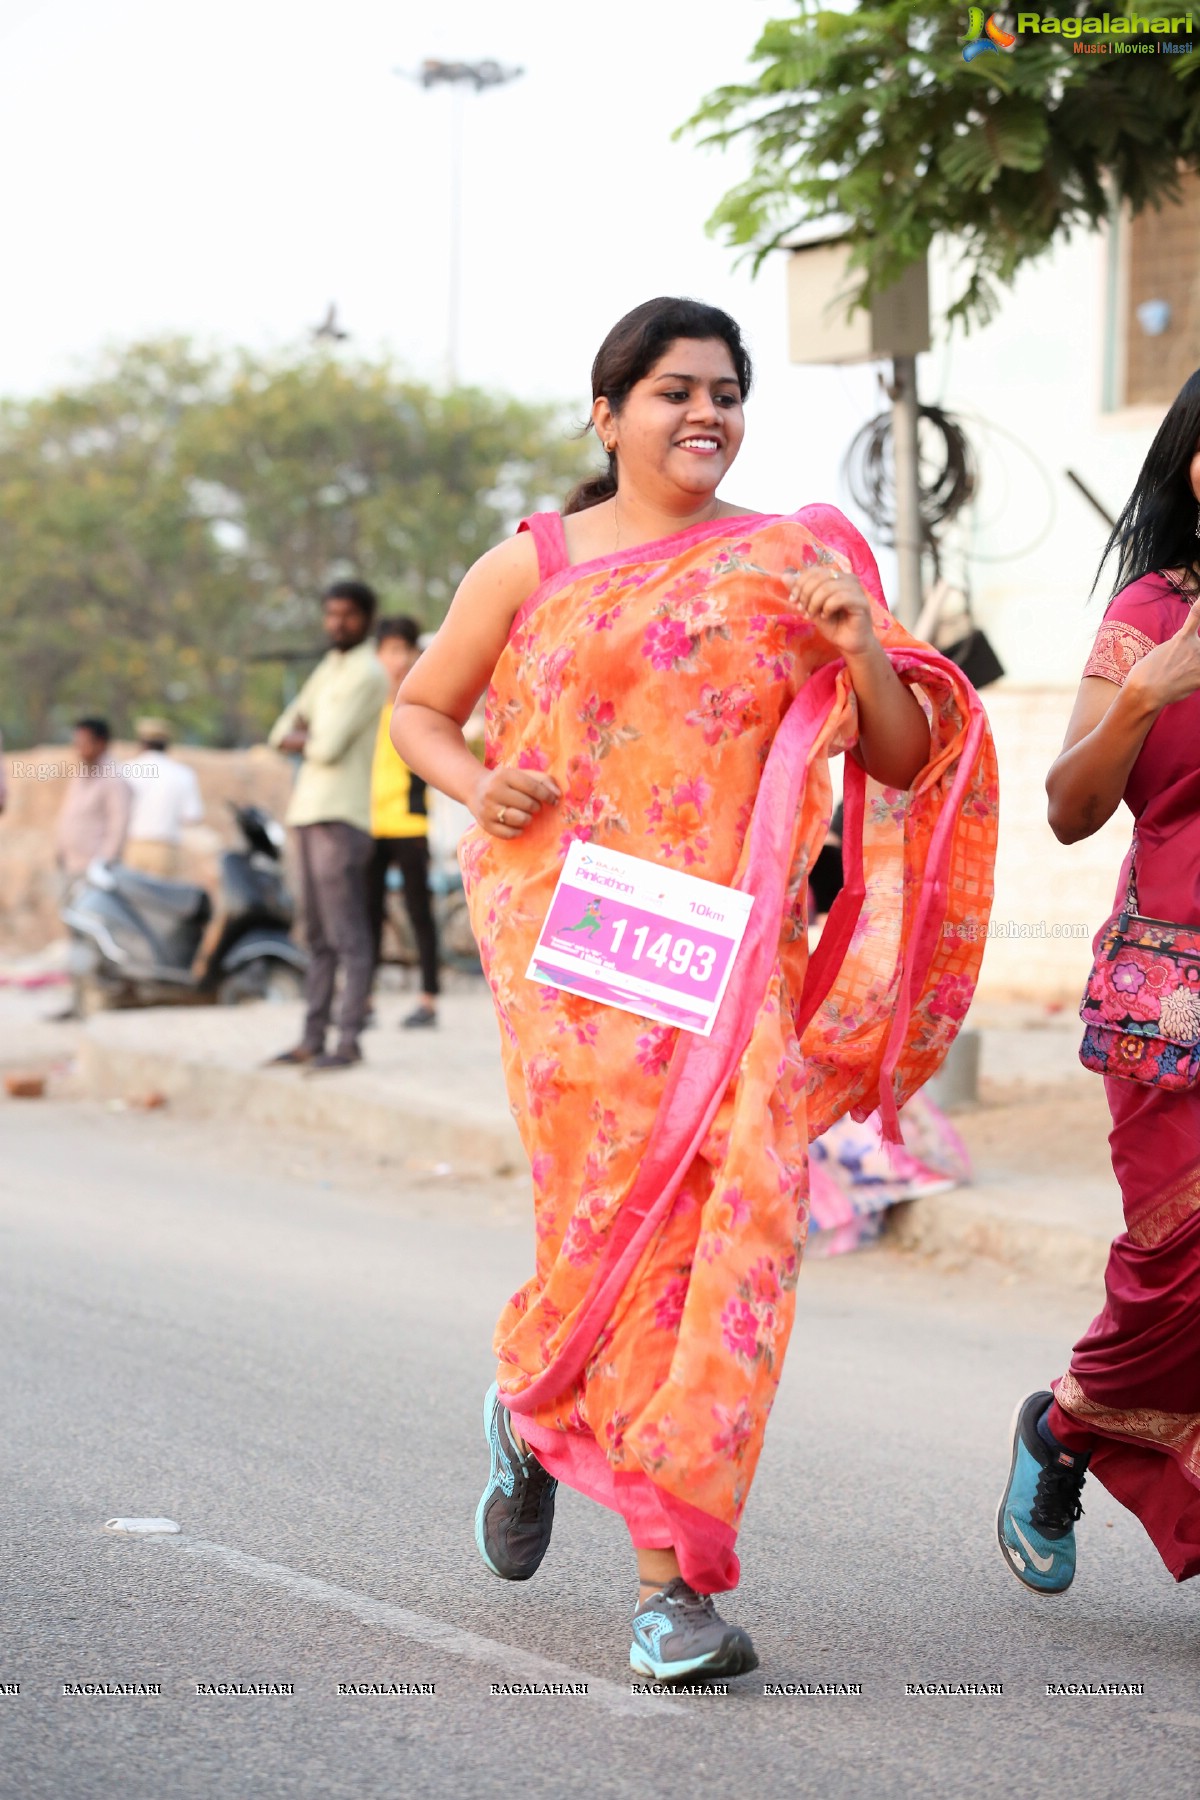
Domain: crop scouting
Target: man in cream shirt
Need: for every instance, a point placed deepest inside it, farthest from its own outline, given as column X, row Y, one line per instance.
column 331, row 724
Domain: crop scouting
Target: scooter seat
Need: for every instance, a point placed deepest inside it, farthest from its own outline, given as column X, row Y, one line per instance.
column 181, row 899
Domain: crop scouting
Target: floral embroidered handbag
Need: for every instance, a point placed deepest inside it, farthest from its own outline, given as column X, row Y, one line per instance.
column 1141, row 1006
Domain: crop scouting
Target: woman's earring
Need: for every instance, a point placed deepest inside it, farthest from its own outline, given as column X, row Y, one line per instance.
column 1198, row 523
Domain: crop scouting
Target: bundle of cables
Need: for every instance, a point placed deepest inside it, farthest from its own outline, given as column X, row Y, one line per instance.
column 946, row 480
column 945, row 473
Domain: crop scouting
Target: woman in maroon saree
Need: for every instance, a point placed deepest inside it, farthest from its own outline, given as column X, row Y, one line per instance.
column 1128, row 1408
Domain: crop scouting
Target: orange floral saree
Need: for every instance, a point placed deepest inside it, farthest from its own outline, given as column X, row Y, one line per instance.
column 688, row 716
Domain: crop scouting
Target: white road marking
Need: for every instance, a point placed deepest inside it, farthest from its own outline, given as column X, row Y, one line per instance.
column 505, row 1662
column 146, row 1526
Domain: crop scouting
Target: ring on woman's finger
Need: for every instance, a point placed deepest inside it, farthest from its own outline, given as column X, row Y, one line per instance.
column 500, row 815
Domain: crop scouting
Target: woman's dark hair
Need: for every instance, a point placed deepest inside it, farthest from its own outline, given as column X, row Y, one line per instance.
column 630, row 351
column 1157, row 526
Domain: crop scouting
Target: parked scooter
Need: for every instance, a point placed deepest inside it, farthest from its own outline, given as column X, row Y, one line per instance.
column 456, row 941
column 139, row 941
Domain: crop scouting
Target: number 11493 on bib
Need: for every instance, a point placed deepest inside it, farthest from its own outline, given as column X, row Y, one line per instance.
column 647, row 939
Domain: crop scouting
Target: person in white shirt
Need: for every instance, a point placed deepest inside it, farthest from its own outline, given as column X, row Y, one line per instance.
column 166, row 797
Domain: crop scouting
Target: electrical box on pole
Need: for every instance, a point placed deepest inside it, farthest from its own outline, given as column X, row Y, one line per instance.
column 820, row 330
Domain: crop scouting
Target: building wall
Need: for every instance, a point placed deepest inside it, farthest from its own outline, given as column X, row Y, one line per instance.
column 1159, row 266
column 1030, row 390
column 1050, row 898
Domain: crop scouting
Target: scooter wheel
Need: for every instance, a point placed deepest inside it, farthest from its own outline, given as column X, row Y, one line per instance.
column 263, row 979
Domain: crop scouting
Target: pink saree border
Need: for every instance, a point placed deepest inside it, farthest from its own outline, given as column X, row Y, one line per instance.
column 931, row 905
column 657, row 1520
column 833, row 528
column 826, row 959
column 673, row 545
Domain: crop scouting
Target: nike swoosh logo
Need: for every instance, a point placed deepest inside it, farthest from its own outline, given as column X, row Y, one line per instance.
column 1044, row 1563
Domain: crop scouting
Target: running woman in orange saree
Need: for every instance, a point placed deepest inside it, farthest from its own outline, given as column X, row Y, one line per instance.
column 677, row 694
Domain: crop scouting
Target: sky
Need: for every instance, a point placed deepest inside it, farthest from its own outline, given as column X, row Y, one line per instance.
column 226, row 171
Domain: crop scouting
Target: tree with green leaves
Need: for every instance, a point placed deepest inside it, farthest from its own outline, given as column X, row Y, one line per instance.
column 167, row 526
column 873, row 118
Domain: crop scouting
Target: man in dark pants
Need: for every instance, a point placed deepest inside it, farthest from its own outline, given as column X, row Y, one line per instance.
column 399, row 822
column 331, row 723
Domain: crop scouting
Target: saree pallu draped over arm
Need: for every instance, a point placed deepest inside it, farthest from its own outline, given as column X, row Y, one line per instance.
column 688, row 715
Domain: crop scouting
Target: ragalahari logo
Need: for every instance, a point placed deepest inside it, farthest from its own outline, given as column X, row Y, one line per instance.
column 983, row 33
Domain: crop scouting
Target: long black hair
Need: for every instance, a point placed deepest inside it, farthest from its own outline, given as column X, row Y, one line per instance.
column 1157, row 528
column 630, row 351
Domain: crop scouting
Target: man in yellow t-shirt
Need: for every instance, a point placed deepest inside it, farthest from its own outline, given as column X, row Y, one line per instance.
column 399, row 823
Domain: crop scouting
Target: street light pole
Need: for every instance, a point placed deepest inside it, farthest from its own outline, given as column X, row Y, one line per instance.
column 459, row 76
column 452, row 302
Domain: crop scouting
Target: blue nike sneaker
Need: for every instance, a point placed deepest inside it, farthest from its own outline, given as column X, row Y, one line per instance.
column 1035, row 1522
column 515, row 1515
column 678, row 1632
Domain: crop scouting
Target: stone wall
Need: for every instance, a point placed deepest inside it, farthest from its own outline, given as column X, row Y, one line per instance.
column 28, row 881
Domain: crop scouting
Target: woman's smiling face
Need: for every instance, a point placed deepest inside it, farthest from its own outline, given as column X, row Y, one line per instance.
column 682, row 423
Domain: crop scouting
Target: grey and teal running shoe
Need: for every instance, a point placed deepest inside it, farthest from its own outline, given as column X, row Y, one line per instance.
column 1035, row 1522
column 678, row 1632
column 515, row 1515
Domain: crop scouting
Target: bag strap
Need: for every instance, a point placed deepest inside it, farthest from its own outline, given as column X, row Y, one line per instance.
column 1131, row 894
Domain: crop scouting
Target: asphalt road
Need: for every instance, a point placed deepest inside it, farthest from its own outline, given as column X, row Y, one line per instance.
column 285, row 1352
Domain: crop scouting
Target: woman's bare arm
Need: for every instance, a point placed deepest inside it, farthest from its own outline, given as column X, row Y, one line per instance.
column 442, row 690
column 893, row 732
column 1108, row 727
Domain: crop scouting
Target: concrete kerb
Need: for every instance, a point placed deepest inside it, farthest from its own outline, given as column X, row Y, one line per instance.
column 376, row 1110
column 981, row 1222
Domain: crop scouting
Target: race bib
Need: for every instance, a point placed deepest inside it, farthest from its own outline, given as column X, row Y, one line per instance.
column 633, row 935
